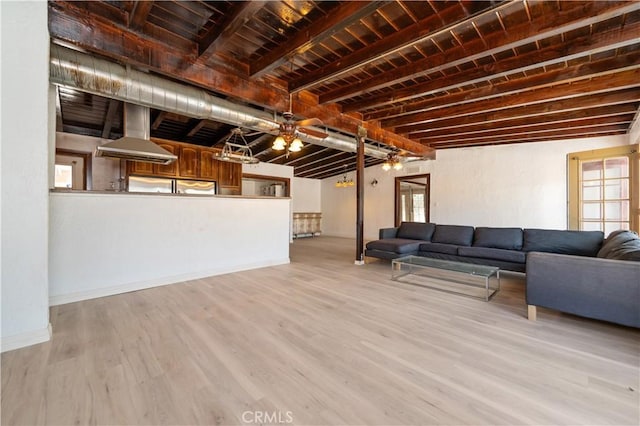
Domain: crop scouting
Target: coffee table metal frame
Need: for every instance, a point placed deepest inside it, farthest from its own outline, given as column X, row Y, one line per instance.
column 458, row 272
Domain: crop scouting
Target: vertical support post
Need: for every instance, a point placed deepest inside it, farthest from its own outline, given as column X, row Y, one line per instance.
column 362, row 134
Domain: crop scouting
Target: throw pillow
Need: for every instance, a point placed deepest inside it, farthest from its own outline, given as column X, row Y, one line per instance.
column 615, row 240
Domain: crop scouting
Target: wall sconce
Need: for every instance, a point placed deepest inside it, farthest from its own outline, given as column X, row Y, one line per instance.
column 374, row 182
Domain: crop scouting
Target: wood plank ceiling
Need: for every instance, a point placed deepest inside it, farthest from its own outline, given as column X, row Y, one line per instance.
column 419, row 75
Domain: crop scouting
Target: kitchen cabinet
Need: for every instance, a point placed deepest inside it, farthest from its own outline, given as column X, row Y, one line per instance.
column 139, row 168
column 229, row 177
column 188, row 161
column 208, row 165
column 169, row 169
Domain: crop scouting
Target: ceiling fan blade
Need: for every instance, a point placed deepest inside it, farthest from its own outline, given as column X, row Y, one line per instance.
column 312, row 132
column 310, row 122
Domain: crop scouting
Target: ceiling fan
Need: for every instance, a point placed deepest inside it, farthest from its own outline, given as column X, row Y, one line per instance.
column 289, row 128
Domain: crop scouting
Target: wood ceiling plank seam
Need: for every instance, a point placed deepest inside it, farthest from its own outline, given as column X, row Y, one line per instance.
column 551, row 107
column 569, row 87
column 397, row 41
column 520, row 36
column 531, row 61
column 585, row 113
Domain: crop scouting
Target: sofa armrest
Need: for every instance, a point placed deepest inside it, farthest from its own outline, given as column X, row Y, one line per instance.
column 588, row 286
column 388, row 232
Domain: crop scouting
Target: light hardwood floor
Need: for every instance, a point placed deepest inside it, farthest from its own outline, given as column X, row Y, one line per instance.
column 321, row 341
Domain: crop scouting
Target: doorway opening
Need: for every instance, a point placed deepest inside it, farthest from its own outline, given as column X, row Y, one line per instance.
column 412, row 196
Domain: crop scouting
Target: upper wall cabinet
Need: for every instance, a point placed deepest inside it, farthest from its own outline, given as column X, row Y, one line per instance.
column 188, row 161
column 170, row 170
column 208, row 165
column 193, row 162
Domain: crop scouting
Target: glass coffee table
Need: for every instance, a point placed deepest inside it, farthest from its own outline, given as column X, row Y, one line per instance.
column 467, row 279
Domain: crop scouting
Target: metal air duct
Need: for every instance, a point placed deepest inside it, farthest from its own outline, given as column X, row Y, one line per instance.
column 98, row 76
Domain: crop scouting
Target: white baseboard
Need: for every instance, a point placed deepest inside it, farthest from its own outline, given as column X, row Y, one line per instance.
column 62, row 299
column 22, row 340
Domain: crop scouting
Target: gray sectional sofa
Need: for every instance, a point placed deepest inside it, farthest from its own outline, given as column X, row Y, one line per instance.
column 578, row 272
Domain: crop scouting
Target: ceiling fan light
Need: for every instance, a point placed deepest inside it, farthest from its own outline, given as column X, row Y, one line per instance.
column 278, row 144
column 397, row 165
column 386, row 166
column 296, row 145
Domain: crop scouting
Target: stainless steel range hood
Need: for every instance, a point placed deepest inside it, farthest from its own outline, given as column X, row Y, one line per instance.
column 136, row 149
column 135, row 145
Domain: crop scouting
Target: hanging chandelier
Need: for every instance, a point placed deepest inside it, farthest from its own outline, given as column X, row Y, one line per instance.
column 392, row 162
column 236, row 149
column 345, row 182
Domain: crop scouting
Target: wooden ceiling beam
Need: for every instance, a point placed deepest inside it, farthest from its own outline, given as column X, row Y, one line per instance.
column 196, row 128
column 533, row 128
column 627, row 96
column 159, row 119
column 564, row 90
column 413, row 34
column 550, row 136
column 337, row 20
column 541, row 28
column 73, row 25
column 553, row 55
column 305, row 105
column 109, row 117
column 139, row 13
column 70, row 24
column 220, row 34
column 616, row 112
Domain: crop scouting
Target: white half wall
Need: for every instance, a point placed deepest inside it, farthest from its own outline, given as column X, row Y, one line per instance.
column 523, row 185
column 103, row 244
column 24, row 86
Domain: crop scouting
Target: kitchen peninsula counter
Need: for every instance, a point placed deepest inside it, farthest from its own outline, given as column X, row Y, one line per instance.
column 109, row 242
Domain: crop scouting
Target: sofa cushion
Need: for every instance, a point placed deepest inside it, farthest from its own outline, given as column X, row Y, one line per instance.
column 395, row 245
column 621, row 245
column 439, row 248
column 500, row 238
column 453, row 234
column 416, row 231
column 493, row 253
column 579, row 243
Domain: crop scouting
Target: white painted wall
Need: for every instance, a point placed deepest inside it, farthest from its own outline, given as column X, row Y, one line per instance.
column 634, row 133
column 104, row 170
column 520, row 185
column 308, row 195
column 104, row 244
column 24, row 85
